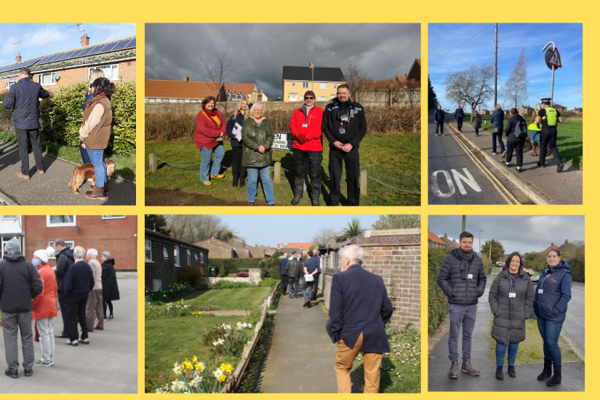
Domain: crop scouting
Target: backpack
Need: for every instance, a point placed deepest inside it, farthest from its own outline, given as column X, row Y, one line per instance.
column 521, row 130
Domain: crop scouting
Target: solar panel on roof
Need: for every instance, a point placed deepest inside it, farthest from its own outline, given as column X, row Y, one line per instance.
column 77, row 53
column 31, row 62
column 110, row 46
column 86, row 52
column 121, row 44
column 131, row 44
column 96, row 50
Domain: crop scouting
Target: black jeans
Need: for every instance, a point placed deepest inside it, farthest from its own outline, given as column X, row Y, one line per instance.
column 284, row 283
column 36, row 145
column 549, row 140
column 64, row 312
column 314, row 160
column 76, row 304
column 459, row 122
column 518, row 146
column 439, row 125
column 352, row 160
column 110, row 307
column 237, row 169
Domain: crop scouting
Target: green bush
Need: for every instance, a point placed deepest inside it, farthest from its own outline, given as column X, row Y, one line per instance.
column 269, row 282
column 438, row 302
column 234, row 265
column 168, row 294
column 5, row 114
column 230, row 285
column 189, row 276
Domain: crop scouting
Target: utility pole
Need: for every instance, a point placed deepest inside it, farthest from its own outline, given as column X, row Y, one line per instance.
column 490, row 256
column 496, row 68
column 464, row 223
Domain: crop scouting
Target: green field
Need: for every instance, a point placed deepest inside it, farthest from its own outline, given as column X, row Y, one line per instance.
column 391, row 159
column 229, row 299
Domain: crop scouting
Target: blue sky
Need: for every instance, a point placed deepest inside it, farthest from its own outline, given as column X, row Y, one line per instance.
column 41, row 39
column 268, row 230
column 455, row 47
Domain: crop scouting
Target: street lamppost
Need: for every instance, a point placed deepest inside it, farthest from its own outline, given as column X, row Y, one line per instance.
column 481, row 230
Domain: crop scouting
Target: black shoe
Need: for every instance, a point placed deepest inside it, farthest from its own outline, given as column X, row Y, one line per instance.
column 511, row 371
column 539, row 164
column 296, row 200
column 111, row 316
column 560, row 167
column 557, row 377
column 316, row 203
column 242, row 183
column 37, row 340
column 250, row 203
column 519, row 169
column 234, row 184
column 547, row 372
column 12, row 374
column 29, row 372
column 61, row 336
column 499, row 373
column 104, row 318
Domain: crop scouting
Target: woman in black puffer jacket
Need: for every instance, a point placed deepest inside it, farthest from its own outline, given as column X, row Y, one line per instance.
column 511, row 301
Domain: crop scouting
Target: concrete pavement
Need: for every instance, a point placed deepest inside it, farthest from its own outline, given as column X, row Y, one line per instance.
column 574, row 326
column 107, row 365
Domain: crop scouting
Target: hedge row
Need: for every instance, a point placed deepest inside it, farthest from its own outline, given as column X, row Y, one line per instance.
column 269, row 267
column 438, row 302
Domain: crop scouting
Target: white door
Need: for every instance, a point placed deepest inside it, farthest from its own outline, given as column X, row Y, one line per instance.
column 293, row 96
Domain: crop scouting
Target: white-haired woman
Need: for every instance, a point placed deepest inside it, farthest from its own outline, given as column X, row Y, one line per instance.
column 257, row 138
column 94, row 304
column 43, row 307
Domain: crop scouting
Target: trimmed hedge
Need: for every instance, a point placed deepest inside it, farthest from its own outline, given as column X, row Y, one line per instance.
column 437, row 301
column 233, row 265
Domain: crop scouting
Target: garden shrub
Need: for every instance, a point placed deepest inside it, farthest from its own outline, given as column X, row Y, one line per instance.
column 230, row 285
column 438, row 302
column 189, row 276
column 165, row 295
column 229, row 339
column 269, row 282
column 241, row 275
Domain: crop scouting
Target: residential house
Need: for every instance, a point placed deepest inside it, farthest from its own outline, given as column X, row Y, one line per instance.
column 236, row 92
column 221, row 249
column 116, row 58
column 402, row 91
column 449, row 243
column 298, row 247
column 321, row 80
column 183, row 91
column 578, row 110
column 526, row 110
column 11, row 226
column 435, row 241
column 165, row 256
column 560, row 107
column 552, row 247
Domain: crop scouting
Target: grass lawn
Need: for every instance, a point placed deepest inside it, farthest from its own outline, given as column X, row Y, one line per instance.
column 228, row 299
column 170, row 340
column 125, row 165
column 532, row 349
column 391, row 159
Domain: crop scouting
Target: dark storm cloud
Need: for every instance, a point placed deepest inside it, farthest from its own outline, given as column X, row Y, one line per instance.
column 524, row 233
column 261, row 50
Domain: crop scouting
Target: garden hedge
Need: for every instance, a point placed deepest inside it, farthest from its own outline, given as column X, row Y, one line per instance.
column 438, row 302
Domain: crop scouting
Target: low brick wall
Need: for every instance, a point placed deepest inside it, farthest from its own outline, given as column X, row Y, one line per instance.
column 253, row 278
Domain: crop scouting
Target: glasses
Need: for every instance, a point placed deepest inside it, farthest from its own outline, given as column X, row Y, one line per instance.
column 308, row 98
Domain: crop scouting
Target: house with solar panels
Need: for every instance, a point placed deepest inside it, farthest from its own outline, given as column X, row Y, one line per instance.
column 116, row 58
column 321, row 80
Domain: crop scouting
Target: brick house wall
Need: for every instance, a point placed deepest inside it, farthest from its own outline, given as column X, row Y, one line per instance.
column 118, row 236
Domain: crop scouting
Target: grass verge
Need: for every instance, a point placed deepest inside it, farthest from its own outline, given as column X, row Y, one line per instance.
column 228, row 299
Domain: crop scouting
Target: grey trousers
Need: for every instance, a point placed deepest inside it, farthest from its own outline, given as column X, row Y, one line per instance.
column 13, row 322
column 46, row 330
column 461, row 316
column 94, row 306
column 307, row 289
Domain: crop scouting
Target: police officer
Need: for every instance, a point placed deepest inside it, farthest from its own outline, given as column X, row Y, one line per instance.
column 549, row 117
column 459, row 115
column 439, row 116
column 344, row 126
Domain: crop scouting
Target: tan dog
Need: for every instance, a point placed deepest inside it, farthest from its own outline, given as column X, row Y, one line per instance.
column 86, row 171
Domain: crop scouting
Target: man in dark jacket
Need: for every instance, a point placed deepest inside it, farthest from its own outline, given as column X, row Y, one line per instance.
column 497, row 120
column 462, row 278
column 439, row 116
column 79, row 282
column 311, row 267
column 284, row 279
column 19, row 284
column 64, row 259
column 459, row 115
column 344, row 125
column 24, row 98
column 359, row 308
column 293, row 270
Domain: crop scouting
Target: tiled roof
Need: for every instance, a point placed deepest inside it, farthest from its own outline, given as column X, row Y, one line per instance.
column 179, row 89
column 240, row 87
column 327, row 74
column 434, row 238
column 378, row 84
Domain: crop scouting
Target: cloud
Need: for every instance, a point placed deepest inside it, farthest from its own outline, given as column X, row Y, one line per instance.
column 115, row 31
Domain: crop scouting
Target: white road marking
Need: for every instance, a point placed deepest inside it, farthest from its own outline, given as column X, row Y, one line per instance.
column 468, row 179
column 436, row 187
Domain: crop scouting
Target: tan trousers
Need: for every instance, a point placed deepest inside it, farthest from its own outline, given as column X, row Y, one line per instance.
column 94, row 304
column 343, row 364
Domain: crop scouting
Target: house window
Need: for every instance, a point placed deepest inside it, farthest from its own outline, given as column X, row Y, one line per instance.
column 152, row 101
column 322, row 98
column 293, row 96
column 165, row 253
column 148, row 248
column 110, row 71
column 113, row 216
column 69, row 243
column 335, row 86
column 47, row 79
column 201, row 258
column 196, row 257
column 304, row 85
column 53, row 221
column 176, row 253
column 5, row 217
column 156, row 285
column 189, row 257
column 293, row 84
column 10, row 81
column 323, row 86
column 333, row 96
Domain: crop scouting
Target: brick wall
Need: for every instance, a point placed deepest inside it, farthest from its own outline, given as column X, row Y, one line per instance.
column 253, row 278
column 118, row 236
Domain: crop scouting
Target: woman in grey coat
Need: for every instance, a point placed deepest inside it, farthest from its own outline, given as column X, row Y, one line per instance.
column 511, row 301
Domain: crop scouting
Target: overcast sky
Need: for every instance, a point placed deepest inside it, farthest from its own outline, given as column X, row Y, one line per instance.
column 455, row 47
column 523, row 233
column 261, row 50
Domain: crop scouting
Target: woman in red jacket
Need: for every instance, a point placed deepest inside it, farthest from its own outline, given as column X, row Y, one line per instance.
column 210, row 128
column 44, row 306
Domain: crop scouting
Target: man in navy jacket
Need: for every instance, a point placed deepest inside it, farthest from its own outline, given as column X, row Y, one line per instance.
column 358, row 311
column 284, row 281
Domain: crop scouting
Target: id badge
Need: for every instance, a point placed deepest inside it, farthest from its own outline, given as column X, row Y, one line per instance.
column 342, row 131
column 541, row 291
column 470, row 276
column 305, row 125
column 512, row 295
column 344, row 118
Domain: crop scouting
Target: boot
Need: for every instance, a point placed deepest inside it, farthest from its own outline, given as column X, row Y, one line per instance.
column 453, row 374
column 547, row 372
column 511, row 371
column 556, row 378
column 235, row 181
column 499, row 373
column 97, row 193
column 296, row 199
column 468, row 368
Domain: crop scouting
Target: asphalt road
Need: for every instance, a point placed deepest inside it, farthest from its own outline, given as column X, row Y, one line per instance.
column 574, row 326
column 453, row 176
column 107, row 365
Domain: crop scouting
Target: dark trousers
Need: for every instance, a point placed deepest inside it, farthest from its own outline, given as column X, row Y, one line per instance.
column 316, row 286
column 313, row 159
column 461, row 316
column 549, row 140
column 237, row 169
column 36, row 145
column 76, row 304
column 550, row 332
column 439, row 125
column 64, row 313
column 459, row 122
column 110, row 307
column 477, row 131
column 284, row 284
column 518, row 146
column 497, row 136
column 85, row 158
column 352, row 160
column 293, row 282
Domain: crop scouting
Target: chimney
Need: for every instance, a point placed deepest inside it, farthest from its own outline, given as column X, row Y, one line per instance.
column 445, row 236
column 566, row 241
column 85, row 40
column 186, row 78
column 311, row 65
column 18, row 57
column 551, row 244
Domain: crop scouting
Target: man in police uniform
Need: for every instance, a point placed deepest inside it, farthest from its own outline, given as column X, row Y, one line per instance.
column 344, row 126
column 549, row 117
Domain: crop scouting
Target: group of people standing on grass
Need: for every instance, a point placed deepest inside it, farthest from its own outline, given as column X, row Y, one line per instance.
column 84, row 286
column 343, row 122
column 512, row 299
column 24, row 98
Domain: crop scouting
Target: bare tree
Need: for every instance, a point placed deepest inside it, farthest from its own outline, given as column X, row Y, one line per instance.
column 515, row 89
column 323, row 235
column 195, row 228
column 471, row 86
column 218, row 68
column 356, row 78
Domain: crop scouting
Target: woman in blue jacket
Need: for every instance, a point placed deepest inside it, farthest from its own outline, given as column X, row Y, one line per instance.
column 238, row 117
column 552, row 294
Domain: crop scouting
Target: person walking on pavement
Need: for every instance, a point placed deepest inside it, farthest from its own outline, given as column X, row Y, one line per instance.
column 311, row 268
column 284, row 279
column 462, row 279
column 439, row 116
column 534, row 130
column 110, row 286
column 359, row 308
column 44, row 306
column 549, row 117
column 497, row 120
column 552, row 295
column 94, row 303
column 511, row 302
column 293, row 270
column 459, row 115
column 308, row 148
column 79, row 282
column 317, row 276
column 476, row 122
column 64, row 259
column 516, row 135
column 24, row 98
column 20, row 282
column 344, row 125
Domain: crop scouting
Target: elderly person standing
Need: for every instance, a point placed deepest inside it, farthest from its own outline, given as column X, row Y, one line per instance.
column 210, row 129
column 359, row 309
column 237, row 121
column 79, row 282
column 110, row 287
column 44, row 306
column 257, row 138
column 64, row 259
column 94, row 74
column 94, row 303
